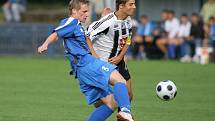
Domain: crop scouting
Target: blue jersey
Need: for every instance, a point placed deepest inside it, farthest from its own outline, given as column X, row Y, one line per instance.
column 93, row 74
column 71, row 31
column 145, row 30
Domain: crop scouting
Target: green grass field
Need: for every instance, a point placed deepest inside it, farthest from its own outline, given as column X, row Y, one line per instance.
column 38, row 89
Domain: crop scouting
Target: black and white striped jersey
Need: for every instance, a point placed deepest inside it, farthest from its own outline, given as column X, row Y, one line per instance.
column 106, row 34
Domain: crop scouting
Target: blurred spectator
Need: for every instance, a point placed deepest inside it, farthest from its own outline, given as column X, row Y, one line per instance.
column 152, row 49
column 162, row 40
column 183, row 35
column 211, row 31
column 171, row 27
column 13, row 9
column 195, row 38
column 145, row 28
column 97, row 8
column 143, row 36
column 105, row 11
column 164, row 18
column 211, row 36
column 208, row 10
column 184, row 28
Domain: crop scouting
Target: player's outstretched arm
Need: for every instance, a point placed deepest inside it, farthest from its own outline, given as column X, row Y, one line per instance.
column 90, row 45
column 52, row 38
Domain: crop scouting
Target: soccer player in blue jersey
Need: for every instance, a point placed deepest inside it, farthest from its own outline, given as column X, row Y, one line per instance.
column 95, row 76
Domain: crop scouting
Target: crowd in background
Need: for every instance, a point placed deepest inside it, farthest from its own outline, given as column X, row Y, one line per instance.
column 170, row 37
column 175, row 38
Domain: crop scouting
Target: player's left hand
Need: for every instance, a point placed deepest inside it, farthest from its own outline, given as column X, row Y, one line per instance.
column 115, row 60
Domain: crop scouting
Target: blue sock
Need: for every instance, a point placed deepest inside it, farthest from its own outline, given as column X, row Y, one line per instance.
column 121, row 96
column 101, row 113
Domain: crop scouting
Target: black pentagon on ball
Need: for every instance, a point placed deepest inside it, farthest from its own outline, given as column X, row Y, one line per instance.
column 165, row 80
column 166, row 97
column 159, row 88
column 175, row 94
column 169, row 87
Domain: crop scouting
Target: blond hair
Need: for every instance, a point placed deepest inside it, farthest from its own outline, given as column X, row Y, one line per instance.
column 76, row 4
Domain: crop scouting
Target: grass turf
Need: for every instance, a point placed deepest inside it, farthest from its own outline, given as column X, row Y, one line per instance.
column 38, row 89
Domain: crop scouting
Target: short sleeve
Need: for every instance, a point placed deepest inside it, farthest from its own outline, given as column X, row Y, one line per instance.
column 66, row 28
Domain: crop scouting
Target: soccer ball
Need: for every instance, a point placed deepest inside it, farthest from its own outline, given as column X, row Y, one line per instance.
column 166, row 90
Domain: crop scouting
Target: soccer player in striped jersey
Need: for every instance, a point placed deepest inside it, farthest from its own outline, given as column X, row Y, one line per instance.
column 109, row 33
column 95, row 76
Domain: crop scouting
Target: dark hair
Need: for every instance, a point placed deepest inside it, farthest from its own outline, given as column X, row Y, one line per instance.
column 195, row 14
column 119, row 2
column 184, row 15
column 171, row 12
column 76, row 4
column 211, row 18
column 143, row 17
column 165, row 11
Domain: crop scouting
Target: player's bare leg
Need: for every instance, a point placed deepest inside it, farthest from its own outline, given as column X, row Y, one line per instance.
column 129, row 86
column 98, row 103
column 109, row 101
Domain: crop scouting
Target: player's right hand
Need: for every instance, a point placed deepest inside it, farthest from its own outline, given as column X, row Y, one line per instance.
column 41, row 49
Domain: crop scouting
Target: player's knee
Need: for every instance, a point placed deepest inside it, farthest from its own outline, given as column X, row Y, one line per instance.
column 121, row 81
column 110, row 102
column 113, row 105
column 116, row 77
column 98, row 104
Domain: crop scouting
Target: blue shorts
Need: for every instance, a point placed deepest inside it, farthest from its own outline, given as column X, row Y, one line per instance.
column 94, row 79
